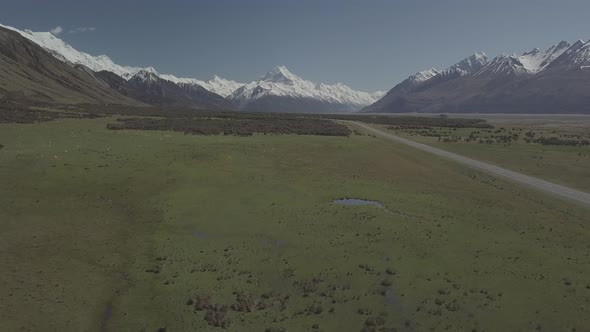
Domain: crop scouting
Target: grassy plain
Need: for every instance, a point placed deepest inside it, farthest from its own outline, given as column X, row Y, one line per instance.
column 566, row 165
column 126, row 230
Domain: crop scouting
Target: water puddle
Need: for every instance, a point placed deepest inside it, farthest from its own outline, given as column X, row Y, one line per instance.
column 391, row 298
column 365, row 202
column 200, row 235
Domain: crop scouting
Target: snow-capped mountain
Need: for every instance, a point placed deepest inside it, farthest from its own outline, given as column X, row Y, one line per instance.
column 529, row 63
column 467, row 66
column 576, row 56
column 286, row 90
column 426, row 79
column 503, row 65
column 551, row 80
column 221, row 86
column 546, row 80
column 277, row 83
column 145, row 77
column 419, row 77
column 537, row 60
column 149, row 88
column 414, row 80
column 29, row 74
column 67, row 53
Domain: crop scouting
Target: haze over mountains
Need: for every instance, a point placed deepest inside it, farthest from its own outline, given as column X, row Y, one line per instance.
column 44, row 68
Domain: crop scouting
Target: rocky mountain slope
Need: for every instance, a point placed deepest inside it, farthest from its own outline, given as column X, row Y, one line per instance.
column 555, row 80
column 291, row 94
column 41, row 67
column 67, row 53
column 149, row 88
column 218, row 85
column 30, row 74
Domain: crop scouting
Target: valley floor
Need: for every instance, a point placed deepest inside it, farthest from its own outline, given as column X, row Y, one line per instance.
column 565, row 165
column 562, row 192
column 139, row 230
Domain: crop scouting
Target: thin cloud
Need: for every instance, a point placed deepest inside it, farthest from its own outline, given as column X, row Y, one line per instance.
column 57, row 30
column 82, row 29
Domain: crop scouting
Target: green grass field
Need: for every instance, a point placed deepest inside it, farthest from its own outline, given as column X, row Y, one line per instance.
column 565, row 165
column 132, row 230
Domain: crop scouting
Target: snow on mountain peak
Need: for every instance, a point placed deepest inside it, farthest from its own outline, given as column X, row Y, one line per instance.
column 65, row 52
column 479, row 57
column 503, row 65
column 422, row 76
column 146, row 76
column 536, row 59
column 533, row 52
column 578, row 55
column 151, row 70
column 469, row 65
column 218, row 85
column 283, row 83
column 280, row 74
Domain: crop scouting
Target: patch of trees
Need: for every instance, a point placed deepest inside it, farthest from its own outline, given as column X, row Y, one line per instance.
column 93, row 111
column 237, row 127
column 449, row 139
column 421, row 130
column 560, row 141
column 417, row 121
column 413, row 121
column 530, row 134
column 18, row 115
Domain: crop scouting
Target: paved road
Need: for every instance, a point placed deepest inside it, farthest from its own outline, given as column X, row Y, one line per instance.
column 539, row 184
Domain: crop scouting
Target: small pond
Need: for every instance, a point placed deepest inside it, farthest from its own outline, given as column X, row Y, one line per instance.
column 356, row 202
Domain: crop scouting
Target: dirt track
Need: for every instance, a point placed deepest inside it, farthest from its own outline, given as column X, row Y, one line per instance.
column 538, row 184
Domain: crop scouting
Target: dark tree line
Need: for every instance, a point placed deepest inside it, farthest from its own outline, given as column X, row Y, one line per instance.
column 561, row 141
column 17, row 115
column 245, row 127
column 10, row 112
column 412, row 121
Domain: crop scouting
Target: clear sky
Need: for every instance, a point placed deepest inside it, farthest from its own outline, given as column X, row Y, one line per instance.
column 368, row 44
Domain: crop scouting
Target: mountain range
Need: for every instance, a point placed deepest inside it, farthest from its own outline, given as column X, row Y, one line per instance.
column 30, row 74
column 555, row 80
column 282, row 91
column 40, row 67
column 278, row 90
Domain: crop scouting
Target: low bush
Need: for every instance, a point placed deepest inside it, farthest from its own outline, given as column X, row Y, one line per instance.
column 237, row 127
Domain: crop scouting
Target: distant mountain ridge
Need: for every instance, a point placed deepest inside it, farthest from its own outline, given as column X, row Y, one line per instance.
column 554, row 80
column 67, row 53
column 290, row 94
column 218, row 85
column 29, row 74
column 147, row 87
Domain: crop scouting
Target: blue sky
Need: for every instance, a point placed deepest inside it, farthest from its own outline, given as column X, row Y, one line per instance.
column 368, row 44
